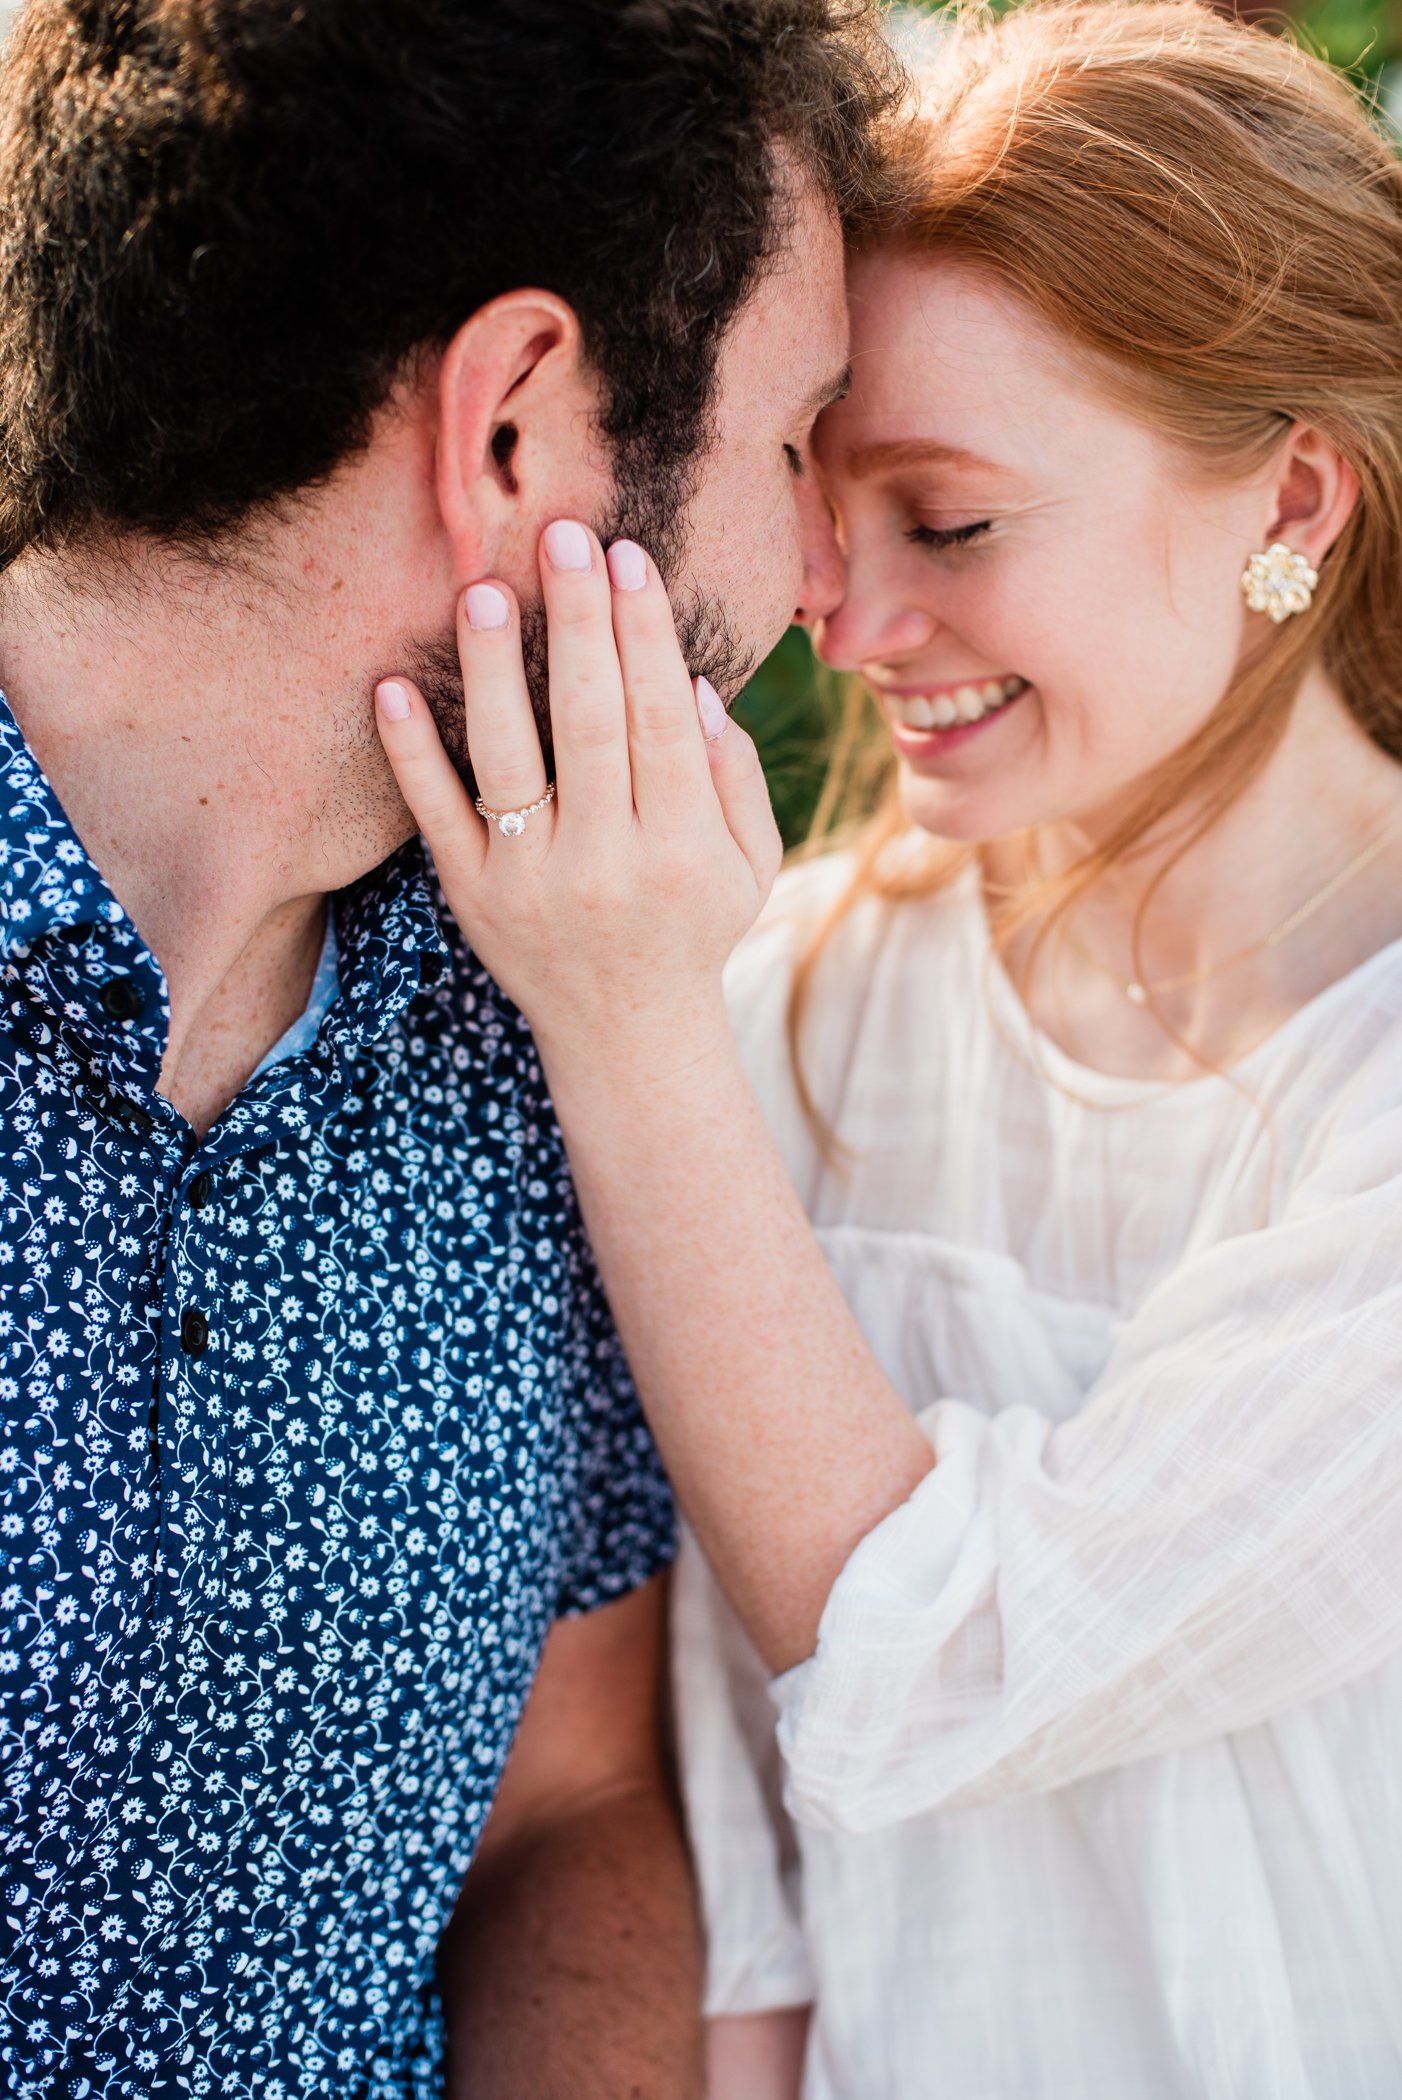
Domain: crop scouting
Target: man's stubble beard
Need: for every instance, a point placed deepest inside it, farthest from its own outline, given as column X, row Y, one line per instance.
column 652, row 511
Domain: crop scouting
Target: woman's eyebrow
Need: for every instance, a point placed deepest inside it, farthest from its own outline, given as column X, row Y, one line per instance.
column 864, row 460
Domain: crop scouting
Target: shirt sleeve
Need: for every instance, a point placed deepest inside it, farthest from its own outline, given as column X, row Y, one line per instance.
column 1214, row 1539
column 623, row 1521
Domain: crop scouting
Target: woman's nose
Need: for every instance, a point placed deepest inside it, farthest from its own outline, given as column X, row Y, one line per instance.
column 867, row 626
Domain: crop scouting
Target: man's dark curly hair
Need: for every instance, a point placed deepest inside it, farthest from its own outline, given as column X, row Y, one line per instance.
column 226, row 224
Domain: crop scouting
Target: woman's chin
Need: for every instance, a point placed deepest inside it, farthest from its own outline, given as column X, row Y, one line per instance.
column 964, row 813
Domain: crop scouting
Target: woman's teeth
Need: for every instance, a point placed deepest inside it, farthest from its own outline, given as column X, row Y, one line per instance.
column 965, row 703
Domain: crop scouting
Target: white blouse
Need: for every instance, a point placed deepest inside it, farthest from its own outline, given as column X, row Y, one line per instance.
column 1093, row 1785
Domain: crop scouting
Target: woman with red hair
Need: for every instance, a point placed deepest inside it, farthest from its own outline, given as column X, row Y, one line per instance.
column 1012, row 1279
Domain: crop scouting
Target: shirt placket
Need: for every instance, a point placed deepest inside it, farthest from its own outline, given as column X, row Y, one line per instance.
column 187, row 1445
column 200, row 1382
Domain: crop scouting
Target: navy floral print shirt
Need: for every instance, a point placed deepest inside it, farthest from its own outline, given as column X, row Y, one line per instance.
column 307, row 1434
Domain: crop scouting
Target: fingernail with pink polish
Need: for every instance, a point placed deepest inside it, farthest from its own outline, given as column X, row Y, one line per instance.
column 627, row 566
column 567, row 546
column 711, row 708
column 393, row 699
column 486, row 607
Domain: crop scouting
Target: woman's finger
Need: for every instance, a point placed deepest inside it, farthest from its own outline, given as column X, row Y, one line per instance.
column 667, row 756
column 503, row 741
column 588, row 720
column 740, row 786
column 438, row 802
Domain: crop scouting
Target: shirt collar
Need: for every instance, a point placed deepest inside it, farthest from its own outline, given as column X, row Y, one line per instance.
column 47, row 881
column 391, row 945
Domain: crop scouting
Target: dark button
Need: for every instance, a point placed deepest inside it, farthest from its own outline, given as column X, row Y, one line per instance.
column 200, row 1190
column 432, row 964
column 153, row 1432
column 122, row 999
column 132, row 1117
column 194, row 1333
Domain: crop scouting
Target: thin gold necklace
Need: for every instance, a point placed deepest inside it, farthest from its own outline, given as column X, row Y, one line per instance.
column 1140, row 993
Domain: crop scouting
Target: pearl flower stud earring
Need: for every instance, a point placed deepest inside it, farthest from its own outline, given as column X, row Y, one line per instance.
column 1278, row 582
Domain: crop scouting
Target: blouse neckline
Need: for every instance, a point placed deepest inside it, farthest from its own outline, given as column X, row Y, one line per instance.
column 1099, row 1089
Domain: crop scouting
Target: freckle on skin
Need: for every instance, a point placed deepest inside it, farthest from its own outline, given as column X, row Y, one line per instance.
column 204, row 802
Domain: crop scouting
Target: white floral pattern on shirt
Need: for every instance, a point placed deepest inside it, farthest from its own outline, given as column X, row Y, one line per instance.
column 270, row 1606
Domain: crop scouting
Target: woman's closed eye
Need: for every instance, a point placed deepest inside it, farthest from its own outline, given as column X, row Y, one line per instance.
column 941, row 536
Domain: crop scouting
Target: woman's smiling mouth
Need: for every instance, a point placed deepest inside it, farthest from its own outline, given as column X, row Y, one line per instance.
column 937, row 718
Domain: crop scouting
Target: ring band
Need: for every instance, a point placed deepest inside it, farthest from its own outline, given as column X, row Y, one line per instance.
column 512, row 822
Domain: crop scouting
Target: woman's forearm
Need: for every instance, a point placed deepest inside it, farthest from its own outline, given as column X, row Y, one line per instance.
column 785, row 1440
column 756, row 2056
column 608, row 916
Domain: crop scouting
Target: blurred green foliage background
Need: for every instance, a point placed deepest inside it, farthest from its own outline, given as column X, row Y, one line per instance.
column 789, row 707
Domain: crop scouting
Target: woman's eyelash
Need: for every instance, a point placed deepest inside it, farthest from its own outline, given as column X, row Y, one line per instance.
column 947, row 535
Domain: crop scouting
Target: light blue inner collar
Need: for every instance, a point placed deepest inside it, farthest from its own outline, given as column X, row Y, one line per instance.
column 325, row 991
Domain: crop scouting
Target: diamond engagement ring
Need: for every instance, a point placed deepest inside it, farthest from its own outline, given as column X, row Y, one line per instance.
column 512, row 822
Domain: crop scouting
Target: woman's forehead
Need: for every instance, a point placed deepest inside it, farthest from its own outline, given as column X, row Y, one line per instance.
column 954, row 372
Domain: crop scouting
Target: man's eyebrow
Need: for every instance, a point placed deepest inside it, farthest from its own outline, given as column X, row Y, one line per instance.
column 864, row 460
column 835, row 390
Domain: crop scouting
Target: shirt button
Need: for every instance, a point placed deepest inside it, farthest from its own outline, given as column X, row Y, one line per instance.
column 121, row 999
column 194, row 1333
column 432, row 964
column 200, row 1190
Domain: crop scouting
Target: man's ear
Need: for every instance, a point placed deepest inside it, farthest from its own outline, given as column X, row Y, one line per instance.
column 1313, row 493
column 512, row 387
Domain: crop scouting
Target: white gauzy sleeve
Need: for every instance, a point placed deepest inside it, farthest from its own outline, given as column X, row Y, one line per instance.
column 742, row 1843
column 1214, row 1538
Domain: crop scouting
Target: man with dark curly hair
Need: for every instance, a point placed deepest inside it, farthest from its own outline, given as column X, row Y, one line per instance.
column 319, row 1452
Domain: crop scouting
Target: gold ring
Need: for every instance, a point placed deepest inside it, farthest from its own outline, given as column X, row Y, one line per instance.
column 512, row 822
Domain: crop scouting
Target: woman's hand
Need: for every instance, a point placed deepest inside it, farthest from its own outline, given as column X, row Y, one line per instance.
column 607, row 918
column 611, row 914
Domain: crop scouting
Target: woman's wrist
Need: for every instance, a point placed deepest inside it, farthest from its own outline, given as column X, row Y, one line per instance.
column 640, row 1063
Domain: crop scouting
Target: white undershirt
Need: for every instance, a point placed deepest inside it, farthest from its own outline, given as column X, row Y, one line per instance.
column 1096, row 1775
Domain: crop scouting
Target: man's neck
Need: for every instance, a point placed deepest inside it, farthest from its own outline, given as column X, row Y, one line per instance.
column 211, row 740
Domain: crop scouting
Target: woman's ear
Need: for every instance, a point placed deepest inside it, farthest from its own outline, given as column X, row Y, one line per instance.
column 1314, row 492
column 511, row 380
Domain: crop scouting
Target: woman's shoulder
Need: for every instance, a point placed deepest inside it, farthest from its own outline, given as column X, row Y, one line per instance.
column 806, row 894
column 862, row 953
column 822, row 909
column 1339, row 1066
column 760, row 976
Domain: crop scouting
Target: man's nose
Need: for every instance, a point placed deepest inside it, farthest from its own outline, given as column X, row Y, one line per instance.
column 824, row 570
